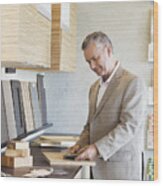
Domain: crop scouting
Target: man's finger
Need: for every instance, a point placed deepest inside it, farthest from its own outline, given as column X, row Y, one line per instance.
column 83, row 149
column 74, row 149
column 80, row 157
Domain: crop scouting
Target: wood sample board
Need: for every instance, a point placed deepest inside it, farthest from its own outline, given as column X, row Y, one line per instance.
column 59, row 138
column 56, row 158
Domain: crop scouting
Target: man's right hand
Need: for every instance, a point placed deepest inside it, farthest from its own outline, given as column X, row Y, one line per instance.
column 74, row 149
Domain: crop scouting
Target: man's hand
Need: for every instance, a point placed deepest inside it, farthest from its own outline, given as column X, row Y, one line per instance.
column 74, row 149
column 88, row 153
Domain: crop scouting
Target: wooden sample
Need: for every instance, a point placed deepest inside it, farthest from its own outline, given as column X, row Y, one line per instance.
column 17, row 152
column 63, row 46
column 35, row 105
column 57, row 158
column 26, row 37
column 16, row 162
column 27, row 106
column 9, row 109
column 42, row 98
column 17, row 155
column 4, row 130
column 53, row 143
column 18, row 107
column 59, row 138
column 18, row 145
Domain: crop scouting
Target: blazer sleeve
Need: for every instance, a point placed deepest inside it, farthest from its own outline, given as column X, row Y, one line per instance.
column 84, row 138
column 133, row 107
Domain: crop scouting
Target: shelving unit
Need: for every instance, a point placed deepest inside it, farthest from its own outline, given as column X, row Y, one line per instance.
column 29, row 136
column 39, row 126
column 149, row 141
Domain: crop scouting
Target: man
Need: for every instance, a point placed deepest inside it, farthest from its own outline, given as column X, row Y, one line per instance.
column 113, row 134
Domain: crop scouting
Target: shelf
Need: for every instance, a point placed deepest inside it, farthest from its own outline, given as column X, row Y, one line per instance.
column 149, row 149
column 30, row 135
column 150, row 96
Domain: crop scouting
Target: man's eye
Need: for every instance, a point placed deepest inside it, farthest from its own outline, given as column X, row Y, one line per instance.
column 94, row 58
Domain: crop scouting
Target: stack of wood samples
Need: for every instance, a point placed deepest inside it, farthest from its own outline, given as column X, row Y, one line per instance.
column 23, row 108
column 17, row 155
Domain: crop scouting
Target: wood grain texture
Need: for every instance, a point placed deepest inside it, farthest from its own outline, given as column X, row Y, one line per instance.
column 26, row 37
column 56, row 158
column 155, row 90
column 9, row 108
column 16, row 162
column 16, row 144
column 63, row 48
column 27, row 106
column 9, row 31
column 17, row 152
column 59, row 138
column 56, row 36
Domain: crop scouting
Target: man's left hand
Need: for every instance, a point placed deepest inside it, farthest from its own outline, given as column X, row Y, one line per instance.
column 88, row 153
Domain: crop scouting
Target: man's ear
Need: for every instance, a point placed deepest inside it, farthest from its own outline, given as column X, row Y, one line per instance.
column 109, row 50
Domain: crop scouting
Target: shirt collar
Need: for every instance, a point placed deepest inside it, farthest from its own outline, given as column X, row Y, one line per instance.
column 111, row 76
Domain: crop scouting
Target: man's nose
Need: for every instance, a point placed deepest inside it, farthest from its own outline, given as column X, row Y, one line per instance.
column 92, row 65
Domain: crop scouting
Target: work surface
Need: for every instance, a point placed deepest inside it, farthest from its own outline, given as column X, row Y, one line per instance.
column 57, row 158
column 40, row 162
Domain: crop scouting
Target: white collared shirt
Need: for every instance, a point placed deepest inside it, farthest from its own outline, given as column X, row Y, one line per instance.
column 104, row 85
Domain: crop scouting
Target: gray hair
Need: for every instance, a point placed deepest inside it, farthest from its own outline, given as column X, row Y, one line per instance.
column 97, row 37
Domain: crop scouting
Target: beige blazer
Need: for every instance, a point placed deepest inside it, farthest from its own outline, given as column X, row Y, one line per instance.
column 116, row 127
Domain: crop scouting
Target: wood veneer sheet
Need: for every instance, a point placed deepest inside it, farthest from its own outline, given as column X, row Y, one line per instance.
column 9, row 108
column 27, row 106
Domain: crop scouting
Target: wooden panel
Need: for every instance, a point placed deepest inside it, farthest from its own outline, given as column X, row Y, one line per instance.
column 68, row 48
column 43, row 40
column 9, row 109
column 56, row 36
column 26, row 37
column 28, row 114
column 9, row 31
column 16, row 144
column 63, row 49
column 16, row 162
column 27, row 34
column 17, row 152
column 56, row 158
column 60, row 138
column 155, row 91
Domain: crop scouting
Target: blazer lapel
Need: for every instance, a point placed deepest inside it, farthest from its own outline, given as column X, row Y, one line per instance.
column 112, row 85
column 93, row 98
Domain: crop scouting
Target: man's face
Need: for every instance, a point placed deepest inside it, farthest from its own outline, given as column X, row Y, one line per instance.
column 98, row 58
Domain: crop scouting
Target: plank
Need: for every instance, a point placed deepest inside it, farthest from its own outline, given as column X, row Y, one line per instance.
column 9, row 109
column 27, row 106
column 18, row 145
column 17, row 152
column 56, row 158
column 16, row 162
column 59, row 138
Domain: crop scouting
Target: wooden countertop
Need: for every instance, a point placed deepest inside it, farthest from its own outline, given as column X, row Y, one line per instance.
column 39, row 161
